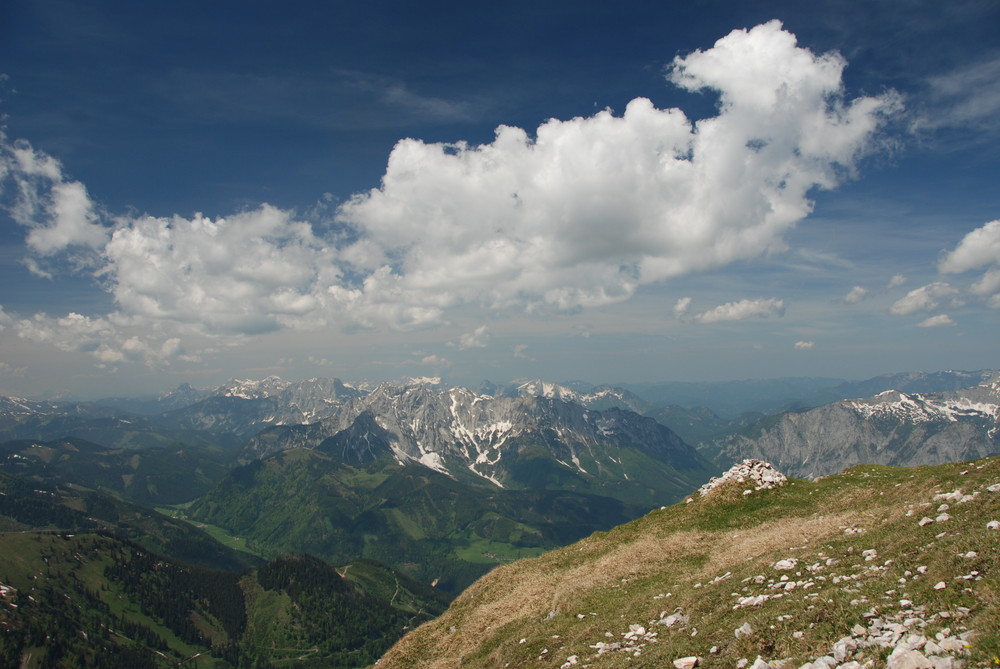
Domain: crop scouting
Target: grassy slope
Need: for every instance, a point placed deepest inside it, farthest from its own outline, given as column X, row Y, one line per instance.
column 540, row 612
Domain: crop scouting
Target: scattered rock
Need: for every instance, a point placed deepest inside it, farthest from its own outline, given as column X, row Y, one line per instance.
column 687, row 662
column 761, row 474
column 743, row 630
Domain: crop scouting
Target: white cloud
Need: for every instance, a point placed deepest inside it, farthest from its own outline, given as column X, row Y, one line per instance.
column 681, row 306
column 581, row 213
column 856, row 294
column 978, row 248
column 105, row 341
column 254, row 272
column 478, row 338
column 587, row 210
column 435, row 361
column 520, row 351
column 989, row 284
column 924, row 298
column 58, row 212
column 896, row 281
column 742, row 310
column 5, row 318
column 804, row 345
column 936, row 321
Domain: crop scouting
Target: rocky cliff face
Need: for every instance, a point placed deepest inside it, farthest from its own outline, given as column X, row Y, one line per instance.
column 892, row 428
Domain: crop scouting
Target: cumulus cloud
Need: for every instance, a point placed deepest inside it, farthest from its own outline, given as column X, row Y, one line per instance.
column 57, row 211
column 979, row 248
column 936, row 321
column 804, row 345
column 478, row 338
column 105, row 341
column 924, row 298
column 681, row 306
column 742, row 310
column 586, row 210
column 856, row 294
column 255, row 272
column 5, row 318
column 989, row 284
column 520, row 351
column 896, row 281
column 581, row 212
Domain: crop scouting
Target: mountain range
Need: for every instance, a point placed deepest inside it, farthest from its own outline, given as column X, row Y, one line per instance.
column 427, row 484
column 892, row 428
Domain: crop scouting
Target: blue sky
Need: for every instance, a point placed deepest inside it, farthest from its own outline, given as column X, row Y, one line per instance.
column 626, row 192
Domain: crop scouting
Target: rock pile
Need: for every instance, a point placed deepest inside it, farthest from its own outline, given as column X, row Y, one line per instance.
column 758, row 474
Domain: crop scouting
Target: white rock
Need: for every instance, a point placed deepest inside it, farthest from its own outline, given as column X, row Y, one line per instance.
column 785, row 565
column 687, row 662
column 904, row 658
column 925, row 521
column 993, row 525
column 940, row 585
column 843, row 648
column 743, row 630
column 759, row 663
column 952, row 645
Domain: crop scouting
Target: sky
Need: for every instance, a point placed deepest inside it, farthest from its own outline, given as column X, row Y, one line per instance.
column 611, row 192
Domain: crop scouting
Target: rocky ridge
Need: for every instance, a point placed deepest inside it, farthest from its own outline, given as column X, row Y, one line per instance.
column 892, row 428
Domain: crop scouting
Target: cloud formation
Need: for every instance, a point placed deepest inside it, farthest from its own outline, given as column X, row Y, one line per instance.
column 478, row 338
column 57, row 211
column 924, row 298
column 581, row 213
column 856, row 294
column 681, row 307
column 979, row 248
column 804, row 345
column 587, row 210
column 742, row 310
column 936, row 321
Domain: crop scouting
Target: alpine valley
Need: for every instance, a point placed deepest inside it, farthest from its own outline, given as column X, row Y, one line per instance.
column 311, row 523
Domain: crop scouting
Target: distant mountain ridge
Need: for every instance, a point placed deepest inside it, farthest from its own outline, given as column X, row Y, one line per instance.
column 891, row 428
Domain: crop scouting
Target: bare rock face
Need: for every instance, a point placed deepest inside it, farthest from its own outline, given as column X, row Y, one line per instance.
column 892, row 428
column 756, row 474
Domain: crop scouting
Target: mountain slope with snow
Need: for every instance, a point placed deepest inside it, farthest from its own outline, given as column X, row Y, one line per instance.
column 891, row 428
column 524, row 442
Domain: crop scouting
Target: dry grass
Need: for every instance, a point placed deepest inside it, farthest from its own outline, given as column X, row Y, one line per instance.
column 619, row 574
